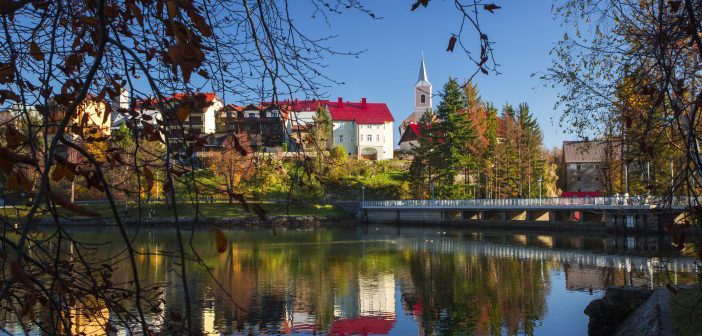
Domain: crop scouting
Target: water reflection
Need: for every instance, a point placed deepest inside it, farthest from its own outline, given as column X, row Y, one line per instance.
column 386, row 280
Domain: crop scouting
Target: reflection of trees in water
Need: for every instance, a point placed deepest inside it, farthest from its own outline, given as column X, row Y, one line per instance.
column 461, row 294
column 265, row 283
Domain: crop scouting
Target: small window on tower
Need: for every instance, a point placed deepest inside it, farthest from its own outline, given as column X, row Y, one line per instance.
column 423, row 99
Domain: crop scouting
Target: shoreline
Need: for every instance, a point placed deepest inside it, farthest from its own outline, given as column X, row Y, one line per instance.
column 252, row 222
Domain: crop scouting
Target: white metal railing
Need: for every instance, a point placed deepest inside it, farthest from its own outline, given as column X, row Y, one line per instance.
column 609, row 201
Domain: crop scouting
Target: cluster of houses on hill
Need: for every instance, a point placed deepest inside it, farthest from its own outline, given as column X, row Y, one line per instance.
column 365, row 130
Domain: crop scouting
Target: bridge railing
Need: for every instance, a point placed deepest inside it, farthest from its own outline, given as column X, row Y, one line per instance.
column 634, row 201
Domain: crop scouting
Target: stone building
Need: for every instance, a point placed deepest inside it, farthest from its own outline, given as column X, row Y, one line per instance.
column 583, row 167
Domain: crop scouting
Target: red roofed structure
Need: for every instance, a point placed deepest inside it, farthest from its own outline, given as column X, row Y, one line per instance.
column 361, row 112
column 365, row 130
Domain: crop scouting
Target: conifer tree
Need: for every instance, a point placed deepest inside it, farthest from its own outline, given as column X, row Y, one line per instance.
column 456, row 132
column 489, row 155
column 424, row 162
column 530, row 144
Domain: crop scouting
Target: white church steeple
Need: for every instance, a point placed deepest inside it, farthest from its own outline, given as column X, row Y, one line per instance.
column 422, row 91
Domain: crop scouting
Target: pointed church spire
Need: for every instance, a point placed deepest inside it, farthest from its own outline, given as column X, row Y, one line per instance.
column 422, row 71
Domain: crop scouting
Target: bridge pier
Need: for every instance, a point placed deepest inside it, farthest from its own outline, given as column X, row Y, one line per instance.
column 494, row 216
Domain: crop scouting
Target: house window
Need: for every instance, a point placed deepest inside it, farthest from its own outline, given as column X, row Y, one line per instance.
column 577, row 167
column 578, row 178
column 377, row 138
column 341, row 138
column 597, row 178
column 597, row 167
column 273, row 114
column 252, row 115
column 423, row 99
column 370, row 137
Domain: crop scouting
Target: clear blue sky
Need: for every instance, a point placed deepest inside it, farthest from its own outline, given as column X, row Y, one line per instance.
column 523, row 31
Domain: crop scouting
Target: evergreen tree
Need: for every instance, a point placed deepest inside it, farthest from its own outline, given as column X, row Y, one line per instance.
column 424, row 162
column 529, row 150
column 507, row 154
column 489, row 155
column 456, row 133
column 320, row 130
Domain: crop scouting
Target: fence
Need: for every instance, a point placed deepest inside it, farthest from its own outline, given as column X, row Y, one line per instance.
column 554, row 202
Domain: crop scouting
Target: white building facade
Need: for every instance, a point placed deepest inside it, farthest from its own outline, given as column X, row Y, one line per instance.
column 365, row 130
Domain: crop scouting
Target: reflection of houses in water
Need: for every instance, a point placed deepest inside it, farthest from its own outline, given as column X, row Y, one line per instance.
column 368, row 296
column 584, row 277
column 367, row 307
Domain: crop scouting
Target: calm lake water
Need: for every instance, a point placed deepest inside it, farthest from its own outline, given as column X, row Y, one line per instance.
column 385, row 280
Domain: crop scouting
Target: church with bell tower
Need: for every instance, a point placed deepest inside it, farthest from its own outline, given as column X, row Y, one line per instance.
column 409, row 130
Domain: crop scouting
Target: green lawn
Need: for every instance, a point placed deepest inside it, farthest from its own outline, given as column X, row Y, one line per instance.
column 208, row 210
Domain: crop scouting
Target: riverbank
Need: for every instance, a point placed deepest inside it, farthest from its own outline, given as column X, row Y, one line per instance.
column 277, row 215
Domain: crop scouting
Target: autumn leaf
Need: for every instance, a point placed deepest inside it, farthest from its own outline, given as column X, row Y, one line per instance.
column 674, row 5
column 420, row 2
column 221, row 241
column 35, row 51
column 182, row 113
column 7, row 94
column 7, row 73
column 172, row 9
column 204, row 74
column 491, row 7
column 452, row 43
column 70, row 206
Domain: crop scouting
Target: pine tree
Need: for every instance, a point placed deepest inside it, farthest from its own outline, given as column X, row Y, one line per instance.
column 489, row 155
column 423, row 166
column 530, row 144
column 456, row 133
column 507, row 154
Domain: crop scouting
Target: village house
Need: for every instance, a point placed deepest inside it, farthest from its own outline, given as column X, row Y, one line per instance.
column 365, row 130
column 583, row 165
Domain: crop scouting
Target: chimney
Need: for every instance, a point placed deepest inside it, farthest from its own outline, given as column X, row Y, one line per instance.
column 341, row 102
column 363, row 103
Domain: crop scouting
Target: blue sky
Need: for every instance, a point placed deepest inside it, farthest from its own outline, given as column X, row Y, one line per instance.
column 523, row 31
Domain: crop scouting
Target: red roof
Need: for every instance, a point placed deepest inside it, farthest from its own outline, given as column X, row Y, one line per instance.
column 362, row 326
column 581, row 194
column 300, row 105
column 371, row 113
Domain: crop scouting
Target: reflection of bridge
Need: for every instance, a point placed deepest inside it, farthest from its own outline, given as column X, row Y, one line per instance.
column 642, row 213
column 481, row 248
